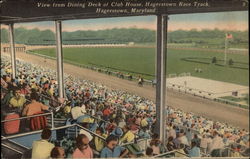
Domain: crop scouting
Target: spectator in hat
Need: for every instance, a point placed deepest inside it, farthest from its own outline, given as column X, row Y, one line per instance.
column 117, row 132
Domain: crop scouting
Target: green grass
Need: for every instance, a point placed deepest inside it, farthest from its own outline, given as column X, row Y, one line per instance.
column 235, row 99
column 142, row 60
column 238, row 99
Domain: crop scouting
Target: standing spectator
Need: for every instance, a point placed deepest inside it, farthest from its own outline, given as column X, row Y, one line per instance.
column 183, row 139
column 209, row 144
column 83, row 149
column 217, row 142
column 204, row 144
column 41, row 149
column 112, row 149
column 57, row 152
column 195, row 151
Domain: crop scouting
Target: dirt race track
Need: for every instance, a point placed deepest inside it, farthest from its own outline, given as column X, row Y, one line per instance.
column 234, row 116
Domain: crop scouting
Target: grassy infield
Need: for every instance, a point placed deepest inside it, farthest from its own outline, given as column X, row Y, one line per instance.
column 142, row 61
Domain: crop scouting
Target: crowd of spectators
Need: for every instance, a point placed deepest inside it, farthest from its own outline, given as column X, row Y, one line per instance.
column 125, row 118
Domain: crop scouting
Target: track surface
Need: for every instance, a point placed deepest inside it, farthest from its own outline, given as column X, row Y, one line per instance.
column 234, row 116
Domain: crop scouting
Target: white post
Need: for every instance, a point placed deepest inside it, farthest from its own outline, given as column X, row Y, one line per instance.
column 12, row 50
column 59, row 54
column 161, row 76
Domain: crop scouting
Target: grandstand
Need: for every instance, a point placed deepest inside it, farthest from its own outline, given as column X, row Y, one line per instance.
column 82, row 116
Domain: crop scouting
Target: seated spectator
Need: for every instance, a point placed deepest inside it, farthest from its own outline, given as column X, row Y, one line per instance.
column 144, row 122
column 99, row 143
column 128, row 135
column 195, row 151
column 107, row 112
column 86, row 133
column 180, row 151
column 235, row 152
column 149, row 152
column 83, row 149
column 112, row 149
column 197, row 140
column 34, row 107
column 170, row 144
column 121, row 122
column 17, row 101
column 172, row 132
column 25, row 89
column 41, row 149
column 6, row 98
column 155, row 144
column 134, row 128
column 4, row 84
column 57, row 152
column 111, row 126
column 176, row 141
column 143, row 133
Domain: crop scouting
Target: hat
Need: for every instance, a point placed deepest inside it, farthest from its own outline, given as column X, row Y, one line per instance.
column 118, row 132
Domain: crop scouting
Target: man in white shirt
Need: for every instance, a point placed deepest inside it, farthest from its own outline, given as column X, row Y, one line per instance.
column 78, row 111
column 204, row 144
column 182, row 137
column 172, row 132
column 41, row 148
column 217, row 142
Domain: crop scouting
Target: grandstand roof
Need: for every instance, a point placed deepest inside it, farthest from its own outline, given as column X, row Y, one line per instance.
column 17, row 11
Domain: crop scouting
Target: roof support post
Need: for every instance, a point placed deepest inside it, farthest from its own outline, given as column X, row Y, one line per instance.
column 12, row 50
column 161, row 49
column 59, row 55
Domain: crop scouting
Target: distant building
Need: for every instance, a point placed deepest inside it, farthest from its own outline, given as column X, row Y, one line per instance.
column 18, row 47
column 131, row 43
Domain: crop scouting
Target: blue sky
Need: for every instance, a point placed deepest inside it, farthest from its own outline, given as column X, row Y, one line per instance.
column 222, row 20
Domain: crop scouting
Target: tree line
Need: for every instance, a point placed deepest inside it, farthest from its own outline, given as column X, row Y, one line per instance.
column 203, row 38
